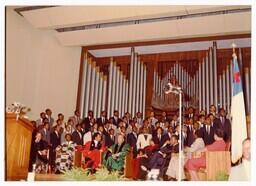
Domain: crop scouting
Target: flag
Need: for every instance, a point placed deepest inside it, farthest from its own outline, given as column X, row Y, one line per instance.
column 239, row 132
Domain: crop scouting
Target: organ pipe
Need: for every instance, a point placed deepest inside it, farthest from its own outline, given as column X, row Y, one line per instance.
column 82, row 94
column 215, row 74
column 110, row 85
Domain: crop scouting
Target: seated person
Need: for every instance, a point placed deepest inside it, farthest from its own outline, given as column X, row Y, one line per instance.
column 92, row 152
column 198, row 144
column 38, row 154
column 114, row 158
column 194, row 164
column 65, row 154
column 140, row 159
column 160, row 159
column 173, row 167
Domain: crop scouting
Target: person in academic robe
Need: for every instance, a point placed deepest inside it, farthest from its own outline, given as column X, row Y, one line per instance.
column 194, row 164
column 38, row 152
column 143, row 138
column 92, row 152
column 114, row 157
column 77, row 135
column 224, row 123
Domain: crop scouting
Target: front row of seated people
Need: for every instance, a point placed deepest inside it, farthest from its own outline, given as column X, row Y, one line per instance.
column 150, row 157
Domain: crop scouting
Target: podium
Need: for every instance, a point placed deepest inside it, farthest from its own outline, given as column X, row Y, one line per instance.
column 18, row 135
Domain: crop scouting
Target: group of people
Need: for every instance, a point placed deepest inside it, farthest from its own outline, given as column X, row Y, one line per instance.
column 153, row 142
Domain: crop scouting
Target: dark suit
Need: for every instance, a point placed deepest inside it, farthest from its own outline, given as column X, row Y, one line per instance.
column 87, row 121
column 156, row 138
column 225, row 126
column 108, row 140
column 55, row 142
column 116, row 121
column 132, row 141
column 45, row 135
column 76, row 138
column 165, row 138
column 190, row 135
column 208, row 137
column 100, row 121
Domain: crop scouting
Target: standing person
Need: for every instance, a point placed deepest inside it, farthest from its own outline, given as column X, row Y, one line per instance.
column 224, row 124
column 116, row 119
column 132, row 139
column 55, row 142
column 76, row 118
column 213, row 111
column 45, row 132
column 48, row 115
column 102, row 120
column 208, row 132
column 152, row 118
column 242, row 172
column 77, row 135
column 88, row 120
column 41, row 119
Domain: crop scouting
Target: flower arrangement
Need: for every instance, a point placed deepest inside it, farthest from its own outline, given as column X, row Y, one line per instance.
column 18, row 109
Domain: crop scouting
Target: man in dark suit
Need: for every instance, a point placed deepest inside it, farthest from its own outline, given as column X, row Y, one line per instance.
column 48, row 115
column 55, row 142
column 110, row 138
column 102, row 120
column 190, row 132
column 223, row 123
column 116, row 119
column 88, row 120
column 208, row 132
column 77, row 135
column 45, row 132
column 132, row 139
column 157, row 137
column 166, row 137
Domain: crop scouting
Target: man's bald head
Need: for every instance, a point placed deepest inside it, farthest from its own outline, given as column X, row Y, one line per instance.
column 247, row 149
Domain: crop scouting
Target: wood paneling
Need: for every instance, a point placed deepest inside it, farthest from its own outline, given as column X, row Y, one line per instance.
column 18, row 144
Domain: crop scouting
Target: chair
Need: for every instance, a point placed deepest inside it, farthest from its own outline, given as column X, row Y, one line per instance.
column 216, row 162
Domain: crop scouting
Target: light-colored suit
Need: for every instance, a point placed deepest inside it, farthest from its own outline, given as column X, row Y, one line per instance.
column 142, row 141
column 241, row 172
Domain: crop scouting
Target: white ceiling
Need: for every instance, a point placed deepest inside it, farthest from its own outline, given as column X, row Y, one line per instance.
column 190, row 46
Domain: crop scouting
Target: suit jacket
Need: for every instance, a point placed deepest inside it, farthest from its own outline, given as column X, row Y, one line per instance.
column 208, row 137
column 116, row 122
column 190, row 136
column 86, row 121
column 100, row 121
column 76, row 138
column 132, row 140
column 156, row 139
column 108, row 140
column 46, row 135
column 143, row 140
column 165, row 138
column 55, row 139
column 226, row 127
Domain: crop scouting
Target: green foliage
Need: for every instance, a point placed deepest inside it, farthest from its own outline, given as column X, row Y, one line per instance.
column 102, row 174
column 222, row 176
column 77, row 174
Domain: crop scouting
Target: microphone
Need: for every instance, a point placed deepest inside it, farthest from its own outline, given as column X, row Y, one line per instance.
column 170, row 88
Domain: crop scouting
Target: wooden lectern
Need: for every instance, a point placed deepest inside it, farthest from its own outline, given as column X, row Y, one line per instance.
column 18, row 142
